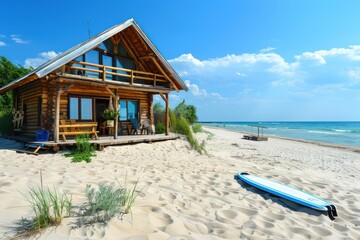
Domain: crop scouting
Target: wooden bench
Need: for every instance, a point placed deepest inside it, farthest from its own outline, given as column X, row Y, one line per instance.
column 77, row 128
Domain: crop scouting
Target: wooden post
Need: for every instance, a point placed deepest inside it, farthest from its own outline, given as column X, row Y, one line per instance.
column 57, row 113
column 167, row 122
column 104, row 73
column 57, row 109
column 151, row 113
column 116, row 103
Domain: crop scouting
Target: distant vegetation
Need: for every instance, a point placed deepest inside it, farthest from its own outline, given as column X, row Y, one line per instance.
column 8, row 73
column 181, row 119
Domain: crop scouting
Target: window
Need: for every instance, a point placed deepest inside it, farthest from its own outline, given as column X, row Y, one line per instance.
column 92, row 57
column 80, row 108
column 129, row 109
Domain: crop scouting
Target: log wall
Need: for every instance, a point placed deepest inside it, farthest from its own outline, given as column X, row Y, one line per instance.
column 28, row 97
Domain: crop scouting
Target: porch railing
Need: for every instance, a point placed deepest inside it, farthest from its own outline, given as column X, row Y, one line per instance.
column 106, row 73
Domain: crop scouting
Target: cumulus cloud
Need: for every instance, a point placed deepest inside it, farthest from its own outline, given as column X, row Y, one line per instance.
column 17, row 39
column 2, row 44
column 195, row 90
column 43, row 57
column 266, row 79
column 321, row 56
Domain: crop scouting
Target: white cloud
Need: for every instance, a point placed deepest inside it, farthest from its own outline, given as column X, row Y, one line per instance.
column 268, row 49
column 187, row 58
column 2, row 44
column 195, row 90
column 321, row 56
column 257, row 82
column 240, row 74
column 44, row 57
column 17, row 39
column 218, row 96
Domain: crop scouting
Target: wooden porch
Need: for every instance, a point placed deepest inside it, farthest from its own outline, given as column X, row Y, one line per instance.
column 105, row 141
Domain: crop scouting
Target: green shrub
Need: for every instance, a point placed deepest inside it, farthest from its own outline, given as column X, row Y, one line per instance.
column 182, row 126
column 106, row 201
column 83, row 151
column 6, row 125
column 197, row 127
column 160, row 128
column 48, row 205
column 186, row 111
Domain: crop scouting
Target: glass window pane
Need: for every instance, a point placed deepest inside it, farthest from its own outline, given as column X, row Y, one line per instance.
column 74, row 108
column 86, row 108
column 107, row 45
column 92, row 57
column 119, row 64
column 107, row 61
column 123, row 111
column 132, row 109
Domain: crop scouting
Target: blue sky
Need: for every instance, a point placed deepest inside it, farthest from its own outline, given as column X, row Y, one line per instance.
column 242, row 60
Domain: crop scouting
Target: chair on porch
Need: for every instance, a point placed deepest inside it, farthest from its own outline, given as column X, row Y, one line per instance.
column 135, row 126
column 122, row 128
column 146, row 126
column 40, row 136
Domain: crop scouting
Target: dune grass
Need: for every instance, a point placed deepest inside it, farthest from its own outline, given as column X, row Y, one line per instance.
column 181, row 126
column 106, row 201
column 197, row 127
column 84, row 151
column 49, row 206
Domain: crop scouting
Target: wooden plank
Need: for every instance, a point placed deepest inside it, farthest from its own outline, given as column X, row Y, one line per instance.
column 27, row 152
column 164, row 73
column 57, row 113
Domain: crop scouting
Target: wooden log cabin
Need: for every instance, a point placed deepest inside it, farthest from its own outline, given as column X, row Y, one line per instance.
column 119, row 67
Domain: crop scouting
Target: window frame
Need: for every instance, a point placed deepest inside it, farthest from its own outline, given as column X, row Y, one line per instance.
column 79, row 106
column 127, row 109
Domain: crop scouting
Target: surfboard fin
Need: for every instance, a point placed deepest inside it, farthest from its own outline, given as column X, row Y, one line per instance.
column 332, row 212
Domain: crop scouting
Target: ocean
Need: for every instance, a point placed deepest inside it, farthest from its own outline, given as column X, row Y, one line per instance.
column 341, row 133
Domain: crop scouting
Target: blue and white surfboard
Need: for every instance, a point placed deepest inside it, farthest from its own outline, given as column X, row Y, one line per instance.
column 289, row 193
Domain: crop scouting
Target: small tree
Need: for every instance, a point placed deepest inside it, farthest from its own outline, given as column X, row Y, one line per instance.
column 8, row 73
column 186, row 111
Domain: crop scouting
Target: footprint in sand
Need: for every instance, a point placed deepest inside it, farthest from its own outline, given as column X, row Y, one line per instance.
column 159, row 219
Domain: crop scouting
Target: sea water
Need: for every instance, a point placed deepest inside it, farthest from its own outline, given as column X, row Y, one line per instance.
column 342, row 133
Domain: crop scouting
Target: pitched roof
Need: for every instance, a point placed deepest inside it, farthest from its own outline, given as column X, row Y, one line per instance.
column 89, row 44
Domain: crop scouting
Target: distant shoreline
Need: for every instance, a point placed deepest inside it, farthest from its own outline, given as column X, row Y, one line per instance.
column 323, row 144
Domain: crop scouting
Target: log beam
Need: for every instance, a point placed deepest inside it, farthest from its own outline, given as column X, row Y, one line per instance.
column 164, row 73
column 57, row 109
column 167, row 120
column 116, row 102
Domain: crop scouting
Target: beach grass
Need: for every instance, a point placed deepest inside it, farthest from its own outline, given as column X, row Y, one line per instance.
column 49, row 206
column 105, row 201
column 197, row 127
column 84, row 150
column 181, row 126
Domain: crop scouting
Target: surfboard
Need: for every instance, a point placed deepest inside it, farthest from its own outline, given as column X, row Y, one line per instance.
column 289, row 193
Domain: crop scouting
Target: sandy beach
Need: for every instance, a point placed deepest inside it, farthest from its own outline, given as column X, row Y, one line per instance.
column 190, row 196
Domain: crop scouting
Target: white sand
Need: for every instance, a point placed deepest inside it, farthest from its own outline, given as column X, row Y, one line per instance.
column 189, row 196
